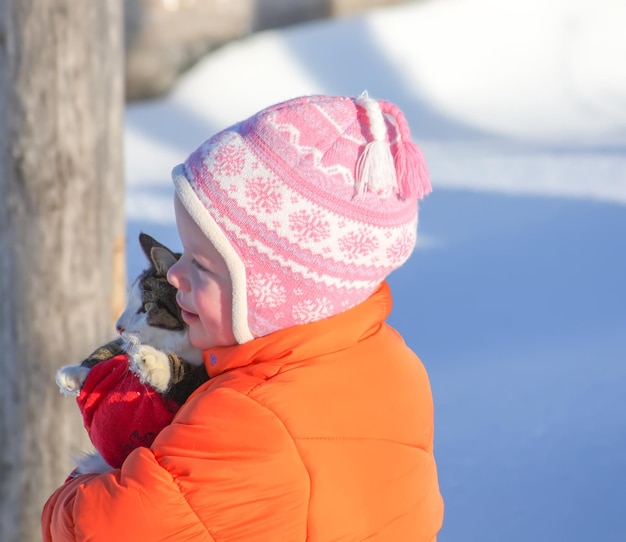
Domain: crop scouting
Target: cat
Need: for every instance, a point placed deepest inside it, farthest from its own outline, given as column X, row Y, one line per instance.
column 153, row 335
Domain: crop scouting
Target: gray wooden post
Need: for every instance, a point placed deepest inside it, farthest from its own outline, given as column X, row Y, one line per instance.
column 61, row 226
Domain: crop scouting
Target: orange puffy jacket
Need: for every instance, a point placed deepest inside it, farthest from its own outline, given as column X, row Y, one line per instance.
column 320, row 432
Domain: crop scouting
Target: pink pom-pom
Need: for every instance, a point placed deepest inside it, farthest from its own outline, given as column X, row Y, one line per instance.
column 413, row 177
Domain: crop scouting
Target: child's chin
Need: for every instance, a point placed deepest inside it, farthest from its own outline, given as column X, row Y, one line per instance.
column 198, row 339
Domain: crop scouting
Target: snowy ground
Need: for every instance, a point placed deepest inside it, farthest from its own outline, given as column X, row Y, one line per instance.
column 516, row 297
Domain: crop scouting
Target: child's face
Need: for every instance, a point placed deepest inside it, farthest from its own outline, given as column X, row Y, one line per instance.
column 204, row 286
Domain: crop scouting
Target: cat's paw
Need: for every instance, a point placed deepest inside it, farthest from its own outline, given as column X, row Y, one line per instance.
column 71, row 378
column 91, row 463
column 152, row 366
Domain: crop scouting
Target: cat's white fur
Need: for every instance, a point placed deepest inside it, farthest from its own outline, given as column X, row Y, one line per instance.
column 145, row 346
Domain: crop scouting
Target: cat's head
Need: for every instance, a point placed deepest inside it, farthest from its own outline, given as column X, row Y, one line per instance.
column 152, row 315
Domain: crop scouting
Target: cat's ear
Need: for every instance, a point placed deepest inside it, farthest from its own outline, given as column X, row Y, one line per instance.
column 162, row 258
column 158, row 254
column 147, row 243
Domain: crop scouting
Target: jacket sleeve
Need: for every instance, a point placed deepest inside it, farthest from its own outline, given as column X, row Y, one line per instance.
column 225, row 468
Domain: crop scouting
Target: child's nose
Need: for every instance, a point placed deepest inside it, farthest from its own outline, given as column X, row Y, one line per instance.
column 173, row 275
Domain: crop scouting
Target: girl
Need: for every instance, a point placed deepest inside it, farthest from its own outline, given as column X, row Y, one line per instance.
column 317, row 420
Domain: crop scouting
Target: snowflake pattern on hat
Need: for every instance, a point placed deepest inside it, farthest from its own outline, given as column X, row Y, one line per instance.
column 230, row 160
column 312, row 232
column 267, row 289
column 263, row 195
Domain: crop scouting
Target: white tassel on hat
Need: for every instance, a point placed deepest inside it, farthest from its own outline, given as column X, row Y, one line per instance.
column 375, row 169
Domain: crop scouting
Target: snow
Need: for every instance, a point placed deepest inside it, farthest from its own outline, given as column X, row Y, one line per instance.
column 515, row 299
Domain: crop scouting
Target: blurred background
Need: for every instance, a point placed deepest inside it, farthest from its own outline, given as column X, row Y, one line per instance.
column 515, row 297
column 163, row 38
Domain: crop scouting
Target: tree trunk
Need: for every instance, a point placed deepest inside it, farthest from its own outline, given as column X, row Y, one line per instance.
column 61, row 226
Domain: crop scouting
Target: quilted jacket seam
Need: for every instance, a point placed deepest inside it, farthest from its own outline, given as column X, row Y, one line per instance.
column 182, row 495
column 293, row 440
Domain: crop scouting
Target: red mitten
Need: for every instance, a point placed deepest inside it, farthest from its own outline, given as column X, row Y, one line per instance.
column 119, row 412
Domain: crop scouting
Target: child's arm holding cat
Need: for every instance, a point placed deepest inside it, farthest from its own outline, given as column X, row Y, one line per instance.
column 147, row 498
column 124, row 409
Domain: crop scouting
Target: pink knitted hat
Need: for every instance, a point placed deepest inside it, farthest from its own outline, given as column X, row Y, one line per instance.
column 312, row 203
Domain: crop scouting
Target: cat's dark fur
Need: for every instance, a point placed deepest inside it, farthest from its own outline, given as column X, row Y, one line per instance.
column 152, row 333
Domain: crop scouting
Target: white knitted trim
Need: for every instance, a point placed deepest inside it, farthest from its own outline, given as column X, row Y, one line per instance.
column 235, row 265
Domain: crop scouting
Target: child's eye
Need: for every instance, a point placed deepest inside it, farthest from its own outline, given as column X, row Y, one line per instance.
column 198, row 265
